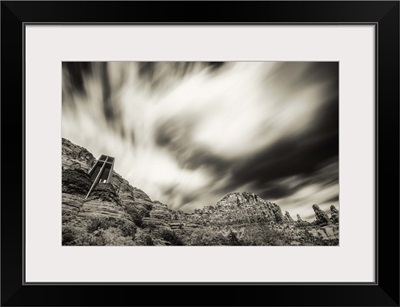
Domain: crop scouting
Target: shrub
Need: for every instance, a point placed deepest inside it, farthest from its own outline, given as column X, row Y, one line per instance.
column 104, row 223
column 143, row 238
column 262, row 235
column 207, row 237
column 115, row 236
column 68, row 235
column 149, row 241
column 233, row 240
column 90, row 239
column 97, row 223
column 171, row 237
column 77, row 236
column 137, row 214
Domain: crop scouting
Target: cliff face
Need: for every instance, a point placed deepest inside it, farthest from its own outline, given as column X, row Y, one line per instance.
column 116, row 213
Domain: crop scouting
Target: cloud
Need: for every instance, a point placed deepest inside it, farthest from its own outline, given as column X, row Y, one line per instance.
column 188, row 133
column 301, row 192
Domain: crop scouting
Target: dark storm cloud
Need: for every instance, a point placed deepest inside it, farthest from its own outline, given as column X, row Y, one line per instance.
column 157, row 74
column 324, row 175
column 106, row 88
column 334, row 199
column 287, row 158
column 79, row 79
column 303, row 155
column 77, row 72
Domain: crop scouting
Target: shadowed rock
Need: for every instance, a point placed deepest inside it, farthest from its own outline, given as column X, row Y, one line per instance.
column 75, row 181
column 334, row 215
column 116, row 213
column 279, row 218
column 320, row 216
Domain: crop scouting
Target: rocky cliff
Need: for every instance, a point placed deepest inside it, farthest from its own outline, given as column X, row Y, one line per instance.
column 116, row 213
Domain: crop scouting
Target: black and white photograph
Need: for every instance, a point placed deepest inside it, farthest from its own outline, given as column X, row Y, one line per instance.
column 245, row 145
column 200, row 153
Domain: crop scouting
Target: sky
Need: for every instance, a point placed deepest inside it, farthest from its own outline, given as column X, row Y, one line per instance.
column 188, row 133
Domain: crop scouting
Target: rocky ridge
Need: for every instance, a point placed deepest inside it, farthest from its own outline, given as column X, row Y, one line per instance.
column 116, row 213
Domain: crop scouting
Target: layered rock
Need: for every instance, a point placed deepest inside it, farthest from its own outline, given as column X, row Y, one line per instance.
column 76, row 157
column 101, row 219
column 116, row 213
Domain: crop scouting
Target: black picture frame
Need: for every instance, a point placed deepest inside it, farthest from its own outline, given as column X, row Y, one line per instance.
column 383, row 14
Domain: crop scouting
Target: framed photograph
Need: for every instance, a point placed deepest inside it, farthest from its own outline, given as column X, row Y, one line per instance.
column 241, row 150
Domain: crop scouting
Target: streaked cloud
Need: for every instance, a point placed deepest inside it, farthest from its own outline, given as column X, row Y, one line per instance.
column 188, row 133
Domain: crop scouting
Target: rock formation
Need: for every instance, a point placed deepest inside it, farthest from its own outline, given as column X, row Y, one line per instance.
column 334, row 215
column 116, row 213
column 299, row 219
column 289, row 218
column 320, row 216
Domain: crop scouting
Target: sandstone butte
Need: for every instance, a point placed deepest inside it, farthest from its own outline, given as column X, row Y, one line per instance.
column 116, row 213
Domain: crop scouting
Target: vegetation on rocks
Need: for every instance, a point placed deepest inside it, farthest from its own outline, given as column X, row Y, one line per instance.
column 116, row 213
